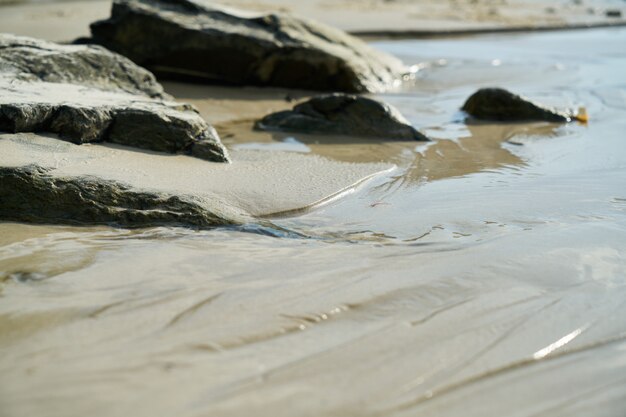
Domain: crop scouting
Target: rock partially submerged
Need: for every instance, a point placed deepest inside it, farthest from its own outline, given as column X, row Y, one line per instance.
column 501, row 105
column 31, row 194
column 343, row 114
column 192, row 39
column 88, row 94
column 43, row 179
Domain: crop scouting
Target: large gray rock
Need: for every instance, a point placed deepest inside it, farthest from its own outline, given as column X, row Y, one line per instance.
column 343, row 114
column 31, row 194
column 28, row 59
column 88, row 94
column 497, row 104
column 192, row 39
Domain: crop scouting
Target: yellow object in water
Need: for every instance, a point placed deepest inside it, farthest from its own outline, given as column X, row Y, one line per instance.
column 582, row 115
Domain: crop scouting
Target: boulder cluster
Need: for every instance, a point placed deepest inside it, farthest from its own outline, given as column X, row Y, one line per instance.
column 102, row 89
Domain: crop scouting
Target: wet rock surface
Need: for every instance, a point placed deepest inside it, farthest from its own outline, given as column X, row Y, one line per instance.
column 497, row 104
column 88, row 94
column 31, row 194
column 343, row 114
column 186, row 38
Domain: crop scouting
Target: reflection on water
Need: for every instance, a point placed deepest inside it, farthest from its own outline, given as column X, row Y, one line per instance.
column 475, row 148
column 480, row 150
column 485, row 278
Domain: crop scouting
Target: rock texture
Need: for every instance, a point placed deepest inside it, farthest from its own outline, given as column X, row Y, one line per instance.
column 88, row 94
column 343, row 114
column 30, row 194
column 43, row 179
column 27, row 59
column 186, row 38
column 501, row 105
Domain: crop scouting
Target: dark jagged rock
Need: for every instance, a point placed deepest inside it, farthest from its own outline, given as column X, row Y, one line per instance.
column 30, row 194
column 184, row 38
column 343, row 114
column 501, row 105
column 88, row 94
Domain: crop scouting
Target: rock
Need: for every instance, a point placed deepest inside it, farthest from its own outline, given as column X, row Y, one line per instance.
column 88, row 94
column 501, row 105
column 43, row 179
column 30, row 194
column 613, row 13
column 186, row 38
column 28, row 59
column 343, row 114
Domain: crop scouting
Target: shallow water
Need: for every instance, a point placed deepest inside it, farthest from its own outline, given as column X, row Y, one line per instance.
column 485, row 277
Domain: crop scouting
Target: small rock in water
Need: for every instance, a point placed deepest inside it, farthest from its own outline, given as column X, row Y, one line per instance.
column 501, row 105
column 189, row 39
column 88, row 94
column 343, row 114
column 614, row 13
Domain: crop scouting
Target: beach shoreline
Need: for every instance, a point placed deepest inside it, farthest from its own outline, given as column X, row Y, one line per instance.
column 481, row 273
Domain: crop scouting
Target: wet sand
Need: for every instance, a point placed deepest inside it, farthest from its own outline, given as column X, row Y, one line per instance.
column 483, row 277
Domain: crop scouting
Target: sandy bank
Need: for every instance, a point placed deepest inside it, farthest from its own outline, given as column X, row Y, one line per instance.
column 257, row 183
